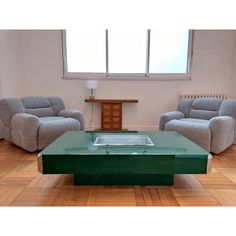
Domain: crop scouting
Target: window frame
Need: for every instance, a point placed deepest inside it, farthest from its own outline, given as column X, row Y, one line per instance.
column 127, row 76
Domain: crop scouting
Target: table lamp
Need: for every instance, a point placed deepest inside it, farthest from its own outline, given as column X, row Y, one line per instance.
column 92, row 85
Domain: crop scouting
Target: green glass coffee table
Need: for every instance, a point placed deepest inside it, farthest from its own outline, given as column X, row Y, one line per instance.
column 123, row 158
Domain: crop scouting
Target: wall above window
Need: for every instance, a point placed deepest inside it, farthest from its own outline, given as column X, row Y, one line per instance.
column 127, row 55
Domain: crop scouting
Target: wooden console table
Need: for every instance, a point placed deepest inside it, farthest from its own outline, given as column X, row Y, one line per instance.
column 111, row 112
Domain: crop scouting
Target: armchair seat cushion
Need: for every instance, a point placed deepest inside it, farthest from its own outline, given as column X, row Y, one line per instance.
column 193, row 120
column 194, row 131
column 50, row 118
column 52, row 127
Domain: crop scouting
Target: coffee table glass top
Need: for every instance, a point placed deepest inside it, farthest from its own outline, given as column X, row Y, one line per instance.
column 164, row 143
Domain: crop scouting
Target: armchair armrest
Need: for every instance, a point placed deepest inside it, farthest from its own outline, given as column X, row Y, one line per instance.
column 76, row 114
column 24, row 131
column 222, row 132
column 169, row 116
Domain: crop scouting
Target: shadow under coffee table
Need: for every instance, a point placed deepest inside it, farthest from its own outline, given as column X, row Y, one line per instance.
column 94, row 161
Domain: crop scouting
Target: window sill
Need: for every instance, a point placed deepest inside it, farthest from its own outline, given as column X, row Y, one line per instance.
column 126, row 77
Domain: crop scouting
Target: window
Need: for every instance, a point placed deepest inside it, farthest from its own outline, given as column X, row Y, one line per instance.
column 86, row 51
column 133, row 54
column 127, row 51
column 168, row 51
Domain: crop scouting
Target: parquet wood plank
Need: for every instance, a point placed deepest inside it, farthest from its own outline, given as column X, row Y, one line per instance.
column 197, row 201
column 65, row 198
column 3, row 173
column 44, row 181
column 72, row 197
column 111, row 203
column 22, row 174
column 186, row 181
column 167, row 197
column 139, row 197
column 7, row 195
column 202, row 192
column 108, row 197
column 214, row 170
column 91, row 199
column 12, row 182
column 146, row 196
column 215, row 180
column 116, row 195
column 218, row 161
column 26, row 166
column 228, row 158
column 8, row 164
column 156, row 201
column 226, row 197
column 225, row 169
column 36, row 197
column 231, row 176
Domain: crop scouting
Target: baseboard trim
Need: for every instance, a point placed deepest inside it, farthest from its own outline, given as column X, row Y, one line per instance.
column 129, row 127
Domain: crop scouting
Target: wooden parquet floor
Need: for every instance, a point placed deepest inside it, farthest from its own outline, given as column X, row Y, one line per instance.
column 22, row 185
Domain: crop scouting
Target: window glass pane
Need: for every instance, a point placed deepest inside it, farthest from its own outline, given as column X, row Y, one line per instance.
column 86, row 50
column 168, row 51
column 127, row 51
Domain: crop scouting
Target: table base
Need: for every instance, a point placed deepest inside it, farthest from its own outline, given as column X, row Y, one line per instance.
column 123, row 179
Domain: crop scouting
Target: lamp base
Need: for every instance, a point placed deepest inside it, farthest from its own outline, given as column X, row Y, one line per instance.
column 91, row 97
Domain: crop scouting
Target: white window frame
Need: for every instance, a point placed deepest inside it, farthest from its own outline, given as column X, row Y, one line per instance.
column 127, row 76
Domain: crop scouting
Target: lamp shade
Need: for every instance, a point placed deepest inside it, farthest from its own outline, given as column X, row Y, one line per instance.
column 91, row 84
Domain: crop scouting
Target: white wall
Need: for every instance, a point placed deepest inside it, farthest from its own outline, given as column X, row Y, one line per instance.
column 41, row 67
column 9, row 66
column 232, row 84
column 10, row 69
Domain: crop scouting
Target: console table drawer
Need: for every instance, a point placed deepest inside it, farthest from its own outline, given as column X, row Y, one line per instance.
column 116, row 106
column 116, row 126
column 107, row 106
column 107, row 119
column 106, row 113
column 116, row 113
column 106, row 126
column 116, row 119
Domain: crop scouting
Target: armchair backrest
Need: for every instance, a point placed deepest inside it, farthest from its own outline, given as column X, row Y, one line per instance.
column 42, row 106
column 202, row 108
column 205, row 108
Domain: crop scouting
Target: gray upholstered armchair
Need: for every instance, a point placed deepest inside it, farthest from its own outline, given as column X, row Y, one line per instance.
column 34, row 122
column 209, row 122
